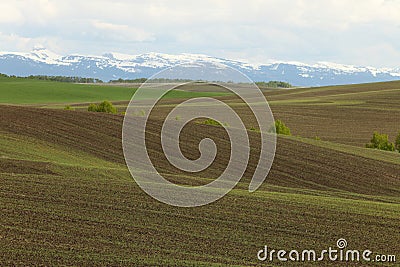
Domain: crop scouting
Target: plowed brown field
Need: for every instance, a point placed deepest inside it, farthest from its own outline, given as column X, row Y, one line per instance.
column 58, row 213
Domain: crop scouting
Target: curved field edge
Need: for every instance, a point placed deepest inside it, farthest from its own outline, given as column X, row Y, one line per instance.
column 385, row 156
column 14, row 146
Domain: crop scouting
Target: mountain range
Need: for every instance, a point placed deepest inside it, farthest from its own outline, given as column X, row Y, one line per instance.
column 112, row 66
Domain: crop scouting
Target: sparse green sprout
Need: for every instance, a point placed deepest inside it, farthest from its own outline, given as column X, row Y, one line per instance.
column 140, row 113
column 380, row 141
column 104, row 106
column 68, row 107
column 253, row 129
column 214, row 122
column 281, row 128
column 317, row 138
column 397, row 142
column 178, row 118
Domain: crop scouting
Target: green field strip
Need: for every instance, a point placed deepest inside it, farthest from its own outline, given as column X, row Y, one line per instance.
column 25, row 148
column 362, row 207
column 386, row 156
column 334, row 99
column 30, row 91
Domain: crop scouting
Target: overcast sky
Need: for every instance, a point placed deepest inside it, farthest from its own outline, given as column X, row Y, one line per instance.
column 364, row 32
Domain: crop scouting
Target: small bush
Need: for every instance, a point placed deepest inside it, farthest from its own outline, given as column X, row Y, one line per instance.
column 397, row 142
column 107, row 107
column 92, row 108
column 281, row 128
column 380, row 141
column 317, row 138
column 104, row 106
column 68, row 107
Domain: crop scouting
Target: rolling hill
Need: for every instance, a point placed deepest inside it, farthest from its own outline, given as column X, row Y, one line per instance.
column 67, row 197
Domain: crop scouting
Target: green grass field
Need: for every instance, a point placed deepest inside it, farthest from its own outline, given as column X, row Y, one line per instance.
column 29, row 91
column 67, row 197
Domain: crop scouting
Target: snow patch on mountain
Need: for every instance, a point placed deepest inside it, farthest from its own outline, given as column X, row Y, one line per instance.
column 117, row 65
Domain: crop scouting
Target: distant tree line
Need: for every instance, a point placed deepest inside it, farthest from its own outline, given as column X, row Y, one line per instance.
column 158, row 80
column 74, row 79
column 139, row 80
column 64, row 79
column 270, row 84
column 274, row 84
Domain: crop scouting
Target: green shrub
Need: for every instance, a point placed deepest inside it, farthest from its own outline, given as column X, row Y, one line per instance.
column 317, row 138
column 92, row 108
column 107, row 107
column 380, row 141
column 281, row 128
column 397, row 142
column 104, row 106
column 68, row 107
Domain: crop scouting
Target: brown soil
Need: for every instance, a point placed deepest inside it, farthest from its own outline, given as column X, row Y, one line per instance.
column 98, row 134
column 296, row 164
column 87, row 217
column 14, row 166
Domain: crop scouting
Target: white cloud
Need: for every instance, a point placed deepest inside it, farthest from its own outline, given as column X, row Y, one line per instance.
column 21, row 43
column 28, row 11
column 304, row 30
column 9, row 13
column 122, row 32
column 13, row 42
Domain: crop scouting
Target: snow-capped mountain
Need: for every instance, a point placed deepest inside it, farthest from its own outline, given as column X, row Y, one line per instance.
column 110, row 66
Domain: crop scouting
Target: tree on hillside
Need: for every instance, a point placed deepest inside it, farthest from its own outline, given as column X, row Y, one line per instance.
column 104, row 106
column 92, row 108
column 281, row 128
column 380, row 141
column 397, row 142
